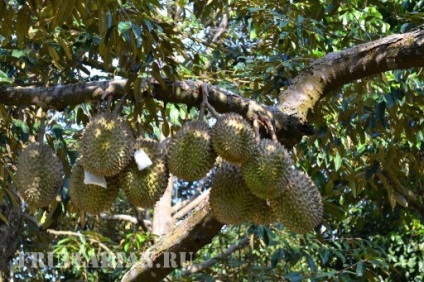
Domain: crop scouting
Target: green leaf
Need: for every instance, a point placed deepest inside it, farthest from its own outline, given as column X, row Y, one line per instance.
column 360, row 269
column 276, row 257
column 253, row 34
column 337, row 161
column 57, row 130
column 311, row 263
column 148, row 25
column 325, row 256
column 174, row 114
column 165, row 129
column 4, row 79
column 55, row 56
column 63, row 12
column 124, row 26
column 4, row 219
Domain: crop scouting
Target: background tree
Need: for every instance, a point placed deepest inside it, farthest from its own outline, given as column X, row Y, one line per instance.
column 340, row 84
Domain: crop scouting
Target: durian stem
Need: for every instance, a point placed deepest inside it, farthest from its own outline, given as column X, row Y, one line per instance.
column 138, row 110
column 271, row 130
column 204, row 101
column 139, row 126
column 120, row 104
column 256, row 129
column 42, row 129
column 211, row 109
column 109, row 102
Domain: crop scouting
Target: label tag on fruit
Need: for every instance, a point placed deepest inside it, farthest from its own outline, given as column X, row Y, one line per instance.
column 142, row 159
column 94, row 179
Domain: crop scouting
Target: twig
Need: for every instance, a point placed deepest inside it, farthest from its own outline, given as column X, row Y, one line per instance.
column 175, row 208
column 231, row 249
column 64, row 233
column 31, row 219
column 123, row 217
column 139, row 218
column 182, row 212
column 70, row 233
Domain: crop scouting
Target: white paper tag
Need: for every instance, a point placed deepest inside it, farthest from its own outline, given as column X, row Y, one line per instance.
column 94, row 179
column 142, row 159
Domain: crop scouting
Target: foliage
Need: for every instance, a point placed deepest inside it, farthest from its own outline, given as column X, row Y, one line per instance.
column 366, row 156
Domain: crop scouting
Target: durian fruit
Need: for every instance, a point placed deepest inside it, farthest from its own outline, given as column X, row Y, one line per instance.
column 232, row 202
column 39, row 175
column 300, row 207
column 88, row 197
column 145, row 187
column 190, row 152
column 233, row 138
column 266, row 171
column 106, row 145
column 260, row 212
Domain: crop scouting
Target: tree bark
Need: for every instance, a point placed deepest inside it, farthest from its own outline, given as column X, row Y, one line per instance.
column 186, row 92
column 162, row 215
column 9, row 233
column 191, row 235
column 398, row 51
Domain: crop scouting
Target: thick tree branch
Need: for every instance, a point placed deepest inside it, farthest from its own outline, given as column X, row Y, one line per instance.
column 398, row 51
column 191, row 235
column 187, row 92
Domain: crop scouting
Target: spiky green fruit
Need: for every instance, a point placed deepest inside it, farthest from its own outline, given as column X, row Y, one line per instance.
column 233, row 138
column 232, row 202
column 88, row 197
column 145, row 187
column 106, row 145
column 266, row 171
column 190, row 152
column 300, row 207
column 39, row 175
column 260, row 212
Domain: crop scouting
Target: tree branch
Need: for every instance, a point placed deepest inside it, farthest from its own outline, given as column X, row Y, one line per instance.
column 231, row 249
column 182, row 204
column 191, row 235
column 91, row 239
column 398, row 51
column 187, row 92
column 123, row 217
column 182, row 212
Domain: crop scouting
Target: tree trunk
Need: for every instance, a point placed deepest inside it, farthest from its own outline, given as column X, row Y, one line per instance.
column 184, row 241
column 9, row 234
column 162, row 215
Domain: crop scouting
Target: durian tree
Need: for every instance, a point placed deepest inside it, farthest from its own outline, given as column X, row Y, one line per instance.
column 325, row 96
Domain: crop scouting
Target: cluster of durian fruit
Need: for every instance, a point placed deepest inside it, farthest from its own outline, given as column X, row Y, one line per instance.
column 254, row 183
